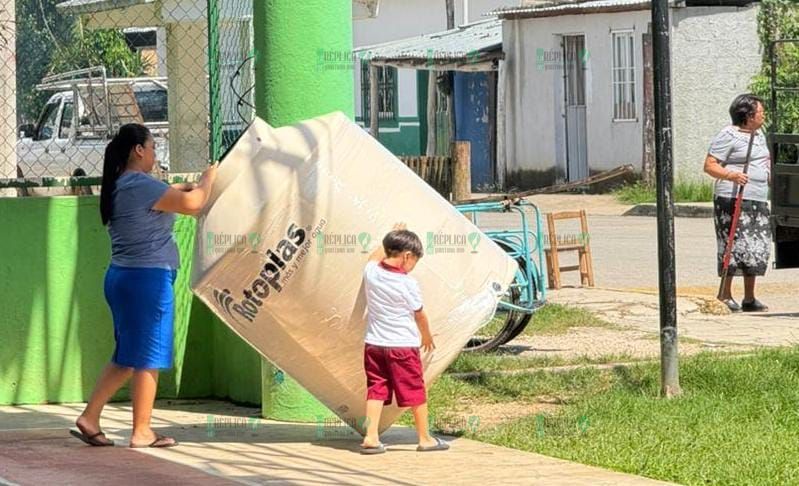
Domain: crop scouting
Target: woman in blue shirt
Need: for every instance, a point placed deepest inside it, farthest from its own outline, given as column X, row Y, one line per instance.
column 139, row 211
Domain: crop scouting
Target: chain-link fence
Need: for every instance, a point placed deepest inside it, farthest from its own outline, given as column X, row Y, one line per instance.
column 74, row 71
column 231, row 71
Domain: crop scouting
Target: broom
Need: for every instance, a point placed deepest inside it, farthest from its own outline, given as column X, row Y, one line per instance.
column 736, row 215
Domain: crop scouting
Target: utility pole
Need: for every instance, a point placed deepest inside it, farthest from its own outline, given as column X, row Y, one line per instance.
column 661, row 50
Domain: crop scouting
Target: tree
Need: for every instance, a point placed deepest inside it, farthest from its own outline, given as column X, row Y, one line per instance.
column 5, row 29
column 779, row 19
column 53, row 43
column 40, row 31
column 101, row 47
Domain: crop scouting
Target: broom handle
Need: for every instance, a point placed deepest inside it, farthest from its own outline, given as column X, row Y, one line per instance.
column 736, row 215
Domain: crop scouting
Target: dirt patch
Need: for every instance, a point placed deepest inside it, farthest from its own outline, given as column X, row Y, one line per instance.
column 473, row 417
column 595, row 343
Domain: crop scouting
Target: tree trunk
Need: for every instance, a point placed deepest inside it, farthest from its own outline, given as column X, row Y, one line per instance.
column 432, row 98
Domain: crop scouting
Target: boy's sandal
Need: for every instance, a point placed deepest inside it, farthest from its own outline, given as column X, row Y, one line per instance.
column 161, row 441
column 440, row 446
column 379, row 449
column 96, row 440
column 754, row 306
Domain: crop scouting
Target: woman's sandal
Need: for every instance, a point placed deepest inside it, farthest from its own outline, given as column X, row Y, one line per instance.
column 94, row 439
column 161, row 441
column 372, row 450
column 754, row 306
column 731, row 304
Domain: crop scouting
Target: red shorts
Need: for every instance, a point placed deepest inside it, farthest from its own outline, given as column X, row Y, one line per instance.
column 397, row 370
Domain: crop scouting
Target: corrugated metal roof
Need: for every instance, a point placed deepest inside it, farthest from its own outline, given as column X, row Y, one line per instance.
column 570, row 7
column 566, row 7
column 460, row 44
column 92, row 6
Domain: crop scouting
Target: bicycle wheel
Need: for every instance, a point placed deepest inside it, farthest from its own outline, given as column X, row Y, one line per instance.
column 507, row 323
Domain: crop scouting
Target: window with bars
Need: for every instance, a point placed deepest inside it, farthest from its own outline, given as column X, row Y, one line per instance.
column 624, row 108
column 386, row 92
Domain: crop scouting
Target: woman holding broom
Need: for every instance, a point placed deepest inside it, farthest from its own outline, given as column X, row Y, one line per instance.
column 739, row 158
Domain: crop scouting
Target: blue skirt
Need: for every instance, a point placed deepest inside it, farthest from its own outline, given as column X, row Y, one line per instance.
column 142, row 305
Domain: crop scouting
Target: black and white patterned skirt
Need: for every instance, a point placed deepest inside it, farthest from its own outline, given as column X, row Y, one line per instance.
column 752, row 244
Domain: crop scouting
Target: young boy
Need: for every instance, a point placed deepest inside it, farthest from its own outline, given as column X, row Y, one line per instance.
column 396, row 327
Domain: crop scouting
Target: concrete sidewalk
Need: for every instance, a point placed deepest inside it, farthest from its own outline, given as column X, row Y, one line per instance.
column 222, row 444
column 640, row 310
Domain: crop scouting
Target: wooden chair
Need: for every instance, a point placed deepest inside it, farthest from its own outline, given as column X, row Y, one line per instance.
column 581, row 246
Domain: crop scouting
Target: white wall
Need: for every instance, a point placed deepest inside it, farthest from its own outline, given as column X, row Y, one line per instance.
column 534, row 97
column 711, row 66
column 399, row 19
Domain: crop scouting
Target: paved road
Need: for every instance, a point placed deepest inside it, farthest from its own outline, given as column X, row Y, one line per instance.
column 625, row 258
column 625, row 250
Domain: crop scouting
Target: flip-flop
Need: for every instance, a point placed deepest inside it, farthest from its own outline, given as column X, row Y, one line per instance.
column 93, row 440
column 731, row 304
column 161, row 441
column 379, row 449
column 754, row 306
column 440, row 446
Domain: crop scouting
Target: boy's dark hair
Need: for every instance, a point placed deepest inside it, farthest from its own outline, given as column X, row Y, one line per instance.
column 398, row 241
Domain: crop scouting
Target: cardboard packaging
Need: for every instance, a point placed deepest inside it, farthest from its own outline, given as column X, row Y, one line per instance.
column 282, row 245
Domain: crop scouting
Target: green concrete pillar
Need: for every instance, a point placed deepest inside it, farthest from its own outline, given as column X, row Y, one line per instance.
column 302, row 51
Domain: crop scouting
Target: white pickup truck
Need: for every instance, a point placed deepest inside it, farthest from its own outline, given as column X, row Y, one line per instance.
column 76, row 123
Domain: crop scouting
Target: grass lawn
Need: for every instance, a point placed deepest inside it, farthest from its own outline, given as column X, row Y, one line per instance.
column 684, row 191
column 548, row 320
column 736, row 423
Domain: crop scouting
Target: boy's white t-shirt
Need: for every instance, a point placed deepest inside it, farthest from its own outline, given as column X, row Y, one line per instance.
column 391, row 300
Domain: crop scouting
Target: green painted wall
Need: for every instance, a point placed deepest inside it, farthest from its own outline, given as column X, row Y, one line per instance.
column 56, row 332
column 406, row 141
column 291, row 84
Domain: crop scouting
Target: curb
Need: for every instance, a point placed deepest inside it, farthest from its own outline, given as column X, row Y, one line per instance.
column 681, row 210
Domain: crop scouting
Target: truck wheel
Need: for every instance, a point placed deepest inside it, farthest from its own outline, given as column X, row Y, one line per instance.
column 80, row 190
column 21, row 191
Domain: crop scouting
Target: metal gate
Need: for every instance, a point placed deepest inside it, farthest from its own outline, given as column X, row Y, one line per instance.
column 784, row 146
column 574, row 80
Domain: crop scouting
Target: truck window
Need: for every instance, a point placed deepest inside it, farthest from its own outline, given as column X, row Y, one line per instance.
column 47, row 123
column 153, row 105
column 66, row 120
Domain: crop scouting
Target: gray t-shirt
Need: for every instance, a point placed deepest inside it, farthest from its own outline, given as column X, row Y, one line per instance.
column 140, row 235
column 729, row 147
